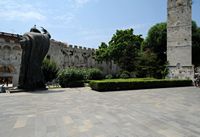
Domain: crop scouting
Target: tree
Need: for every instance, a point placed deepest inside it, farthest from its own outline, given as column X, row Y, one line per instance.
column 123, row 49
column 146, row 62
column 195, row 44
column 156, row 41
column 148, row 66
column 49, row 69
column 102, row 54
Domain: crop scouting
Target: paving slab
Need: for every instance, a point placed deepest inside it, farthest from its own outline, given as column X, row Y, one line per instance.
column 81, row 112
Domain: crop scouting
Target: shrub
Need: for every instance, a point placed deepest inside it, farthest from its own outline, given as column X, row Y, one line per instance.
column 49, row 69
column 128, row 84
column 70, row 77
column 109, row 76
column 125, row 74
column 93, row 74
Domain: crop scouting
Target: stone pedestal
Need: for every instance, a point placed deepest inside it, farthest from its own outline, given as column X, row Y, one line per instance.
column 181, row 72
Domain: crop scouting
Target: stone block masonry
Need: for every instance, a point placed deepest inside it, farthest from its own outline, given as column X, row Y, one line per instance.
column 63, row 54
column 179, row 39
column 10, row 57
column 76, row 56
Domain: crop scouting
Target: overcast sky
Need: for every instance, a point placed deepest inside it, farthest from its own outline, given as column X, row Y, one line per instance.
column 84, row 22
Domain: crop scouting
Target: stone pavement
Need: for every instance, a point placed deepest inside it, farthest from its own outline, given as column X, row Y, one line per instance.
column 81, row 112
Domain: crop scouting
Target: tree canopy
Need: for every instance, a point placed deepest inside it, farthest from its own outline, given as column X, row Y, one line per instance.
column 156, row 41
column 123, row 49
column 195, row 44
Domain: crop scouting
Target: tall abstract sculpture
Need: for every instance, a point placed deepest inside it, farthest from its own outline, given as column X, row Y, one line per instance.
column 179, row 39
column 35, row 46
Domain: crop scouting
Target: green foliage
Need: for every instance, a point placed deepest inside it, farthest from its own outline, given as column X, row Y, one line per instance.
column 195, row 44
column 93, row 74
column 49, row 69
column 102, row 54
column 123, row 48
column 147, row 64
column 109, row 76
column 149, row 67
column 156, row 41
column 70, row 76
column 128, row 84
column 153, row 60
column 125, row 74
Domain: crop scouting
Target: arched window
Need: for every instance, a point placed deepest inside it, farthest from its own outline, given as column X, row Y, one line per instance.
column 76, row 59
column 16, row 48
column 6, row 47
column 85, row 59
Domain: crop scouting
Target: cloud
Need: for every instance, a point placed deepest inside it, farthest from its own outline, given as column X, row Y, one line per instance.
column 64, row 18
column 19, row 15
column 80, row 3
column 19, row 10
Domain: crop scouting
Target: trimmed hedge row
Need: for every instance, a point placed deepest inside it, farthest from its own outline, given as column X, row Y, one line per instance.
column 128, row 84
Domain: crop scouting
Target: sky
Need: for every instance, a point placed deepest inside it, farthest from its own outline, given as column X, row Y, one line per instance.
column 85, row 23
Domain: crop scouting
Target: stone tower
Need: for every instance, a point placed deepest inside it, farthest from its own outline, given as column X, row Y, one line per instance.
column 179, row 39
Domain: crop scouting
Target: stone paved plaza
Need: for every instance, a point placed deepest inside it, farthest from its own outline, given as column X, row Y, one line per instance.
column 81, row 112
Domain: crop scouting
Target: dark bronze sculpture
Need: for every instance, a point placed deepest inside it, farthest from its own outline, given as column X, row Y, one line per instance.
column 35, row 46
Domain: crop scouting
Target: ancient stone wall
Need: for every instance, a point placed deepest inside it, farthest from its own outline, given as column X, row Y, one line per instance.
column 63, row 54
column 76, row 56
column 179, row 39
column 10, row 56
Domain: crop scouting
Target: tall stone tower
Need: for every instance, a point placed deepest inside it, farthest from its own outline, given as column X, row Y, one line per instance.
column 179, row 39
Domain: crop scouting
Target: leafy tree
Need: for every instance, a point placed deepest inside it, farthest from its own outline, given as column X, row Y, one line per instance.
column 154, row 48
column 49, row 69
column 148, row 66
column 156, row 41
column 123, row 49
column 102, row 54
column 195, row 44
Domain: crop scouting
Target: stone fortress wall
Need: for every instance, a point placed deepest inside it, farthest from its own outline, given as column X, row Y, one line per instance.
column 76, row 56
column 10, row 56
column 63, row 54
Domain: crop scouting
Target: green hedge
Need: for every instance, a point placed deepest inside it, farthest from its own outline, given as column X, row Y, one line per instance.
column 75, row 77
column 128, row 84
column 70, row 77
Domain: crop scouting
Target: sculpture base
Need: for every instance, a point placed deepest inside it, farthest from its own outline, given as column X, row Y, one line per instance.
column 16, row 90
column 32, row 88
column 181, row 72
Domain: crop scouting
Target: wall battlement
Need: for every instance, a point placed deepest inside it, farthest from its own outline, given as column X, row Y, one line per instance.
column 65, row 45
column 65, row 55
